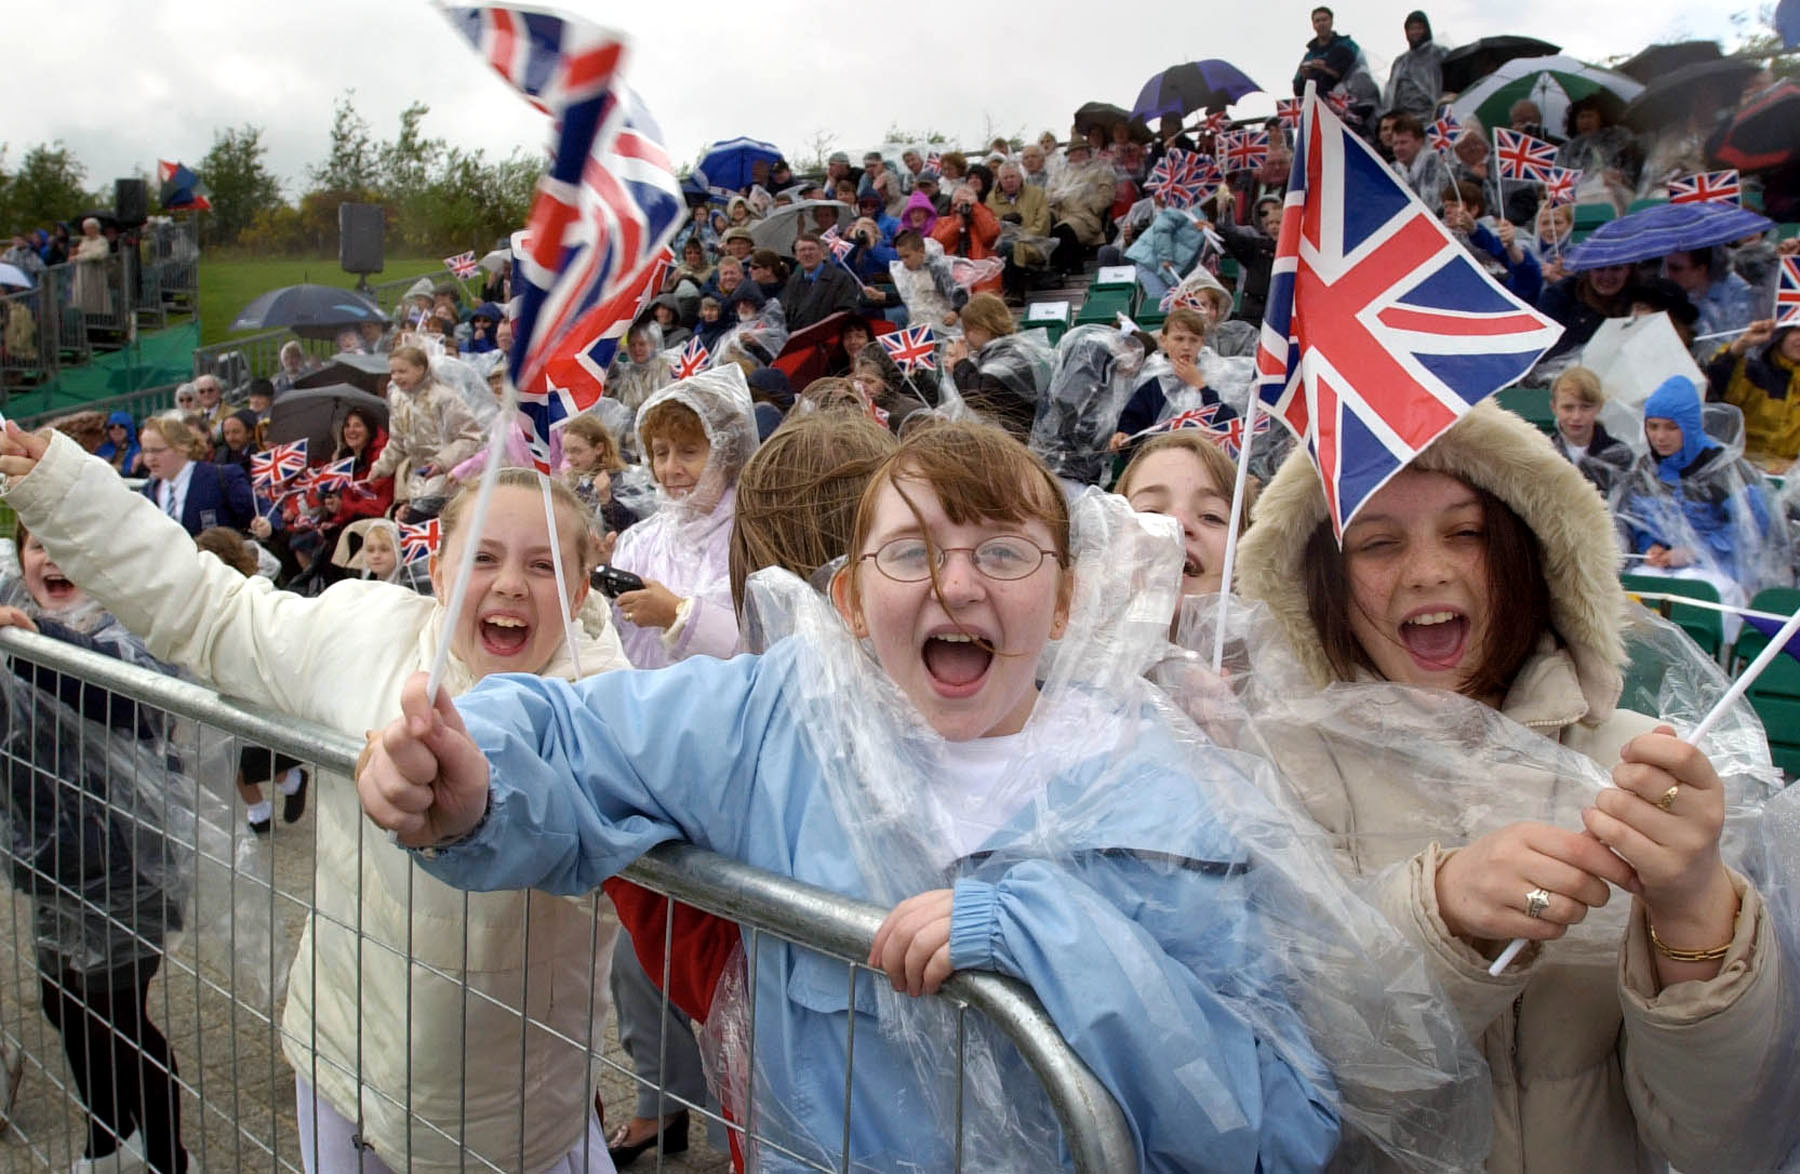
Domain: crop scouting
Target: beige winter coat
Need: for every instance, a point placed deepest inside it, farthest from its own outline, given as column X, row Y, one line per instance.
column 340, row 660
column 427, row 427
column 1080, row 197
column 1594, row 1069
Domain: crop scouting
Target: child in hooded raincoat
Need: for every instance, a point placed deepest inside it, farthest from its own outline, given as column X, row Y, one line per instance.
column 120, row 449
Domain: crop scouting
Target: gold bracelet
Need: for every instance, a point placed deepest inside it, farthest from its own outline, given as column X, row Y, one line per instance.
column 1675, row 955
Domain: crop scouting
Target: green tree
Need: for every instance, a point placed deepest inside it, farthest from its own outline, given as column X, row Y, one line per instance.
column 241, row 182
column 46, row 188
column 354, row 165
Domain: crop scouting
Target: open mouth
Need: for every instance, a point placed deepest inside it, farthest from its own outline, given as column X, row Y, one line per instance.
column 957, row 662
column 58, row 587
column 503, row 635
column 1436, row 639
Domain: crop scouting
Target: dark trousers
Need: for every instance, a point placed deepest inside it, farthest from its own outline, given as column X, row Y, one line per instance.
column 120, row 1060
column 1069, row 253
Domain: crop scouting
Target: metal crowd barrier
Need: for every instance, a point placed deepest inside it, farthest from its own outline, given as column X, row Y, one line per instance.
column 218, row 1007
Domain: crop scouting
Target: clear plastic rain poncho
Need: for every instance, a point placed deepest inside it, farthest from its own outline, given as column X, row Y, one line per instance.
column 757, row 339
column 1178, row 875
column 107, row 830
column 683, row 542
column 1096, row 370
column 1446, row 769
column 1012, row 373
column 1705, row 501
column 469, row 384
column 1231, row 379
column 631, row 382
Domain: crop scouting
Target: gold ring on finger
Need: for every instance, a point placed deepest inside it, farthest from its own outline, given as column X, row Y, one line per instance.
column 1536, row 901
column 1667, row 802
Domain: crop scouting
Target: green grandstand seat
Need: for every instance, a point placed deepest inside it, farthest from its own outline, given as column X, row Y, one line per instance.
column 1533, row 403
column 1646, row 202
column 1703, row 625
column 1788, row 231
column 1053, row 317
column 1591, row 216
column 1105, row 305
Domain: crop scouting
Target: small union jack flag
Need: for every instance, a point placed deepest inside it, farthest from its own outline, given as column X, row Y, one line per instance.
column 1183, row 178
column 692, row 359
column 1216, row 123
column 421, row 541
column 913, row 348
column 1288, row 110
column 1339, row 102
column 279, row 465
column 464, row 265
column 1560, row 185
column 1381, row 330
column 1245, row 150
column 1230, row 437
column 1787, row 293
column 934, row 162
column 1197, row 418
column 834, row 240
column 1442, row 134
column 1708, row 187
column 1521, row 156
column 334, row 477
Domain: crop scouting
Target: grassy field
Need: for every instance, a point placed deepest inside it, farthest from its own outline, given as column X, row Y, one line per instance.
column 227, row 286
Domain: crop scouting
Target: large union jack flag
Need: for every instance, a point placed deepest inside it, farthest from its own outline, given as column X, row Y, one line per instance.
column 1381, row 331
column 1522, row 156
column 1787, row 293
column 1244, row 150
column 1708, row 187
column 276, row 467
column 912, row 348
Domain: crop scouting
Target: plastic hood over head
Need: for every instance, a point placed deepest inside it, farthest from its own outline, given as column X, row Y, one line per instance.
column 1495, row 450
column 1096, row 367
column 721, row 398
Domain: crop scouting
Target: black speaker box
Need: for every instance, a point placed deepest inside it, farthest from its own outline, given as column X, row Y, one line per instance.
column 131, row 201
column 360, row 231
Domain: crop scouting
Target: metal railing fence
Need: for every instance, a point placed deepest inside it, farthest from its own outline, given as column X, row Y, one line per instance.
column 219, row 1009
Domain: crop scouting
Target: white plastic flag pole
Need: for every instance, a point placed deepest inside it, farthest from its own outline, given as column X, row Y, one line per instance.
column 465, row 568
column 1231, row 530
column 571, row 627
column 1776, row 646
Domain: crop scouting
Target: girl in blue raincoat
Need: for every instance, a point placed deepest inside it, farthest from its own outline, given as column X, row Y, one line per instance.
column 895, row 746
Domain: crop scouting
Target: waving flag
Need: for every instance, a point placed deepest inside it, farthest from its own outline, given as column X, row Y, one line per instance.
column 334, row 477
column 1442, row 134
column 1381, row 331
column 692, row 359
column 421, row 541
column 1708, row 187
column 1216, row 123
column 912, row 348
column 834, row 240
column 464, row 265
column 1197, row 418
column 1787, row 293
column 934, row 163
column 1522, row 156
column 604, row 214
column 180, row 187
column 1339, row 102
column 1288, row 110
column 279, row 465
column 1560, row 185
column 1245, row 150
column 1183, row 178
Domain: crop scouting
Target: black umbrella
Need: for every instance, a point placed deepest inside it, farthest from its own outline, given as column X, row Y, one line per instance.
column 368, row 372
column 1465, row 66
column 1764, row 134
column 315, row 413
column 1657, row 60
column 1101, row 114
column 312, row 311
column 1700, row 88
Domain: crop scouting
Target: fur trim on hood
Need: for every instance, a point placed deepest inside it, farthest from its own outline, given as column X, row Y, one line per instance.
column 1498, row 451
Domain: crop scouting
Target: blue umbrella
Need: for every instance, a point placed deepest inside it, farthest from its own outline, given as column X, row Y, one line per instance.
column 729, row 164
column 1664, row 229
column 1183, row 89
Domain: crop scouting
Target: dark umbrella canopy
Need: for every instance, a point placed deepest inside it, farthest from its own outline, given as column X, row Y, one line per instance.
column 1194, row 85
column 1657, row 60
column 1664, row 229
column 368, row 372
column 1468, row 64
column 311, row 311
column 1101, row 114
column 1764, row 134
column 1702, row 87
column 315, row 414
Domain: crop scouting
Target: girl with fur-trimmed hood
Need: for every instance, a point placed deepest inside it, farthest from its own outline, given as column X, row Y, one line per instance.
column 1487, row 568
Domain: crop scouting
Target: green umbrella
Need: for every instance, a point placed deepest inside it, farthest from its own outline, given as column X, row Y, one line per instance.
column 1552, row 82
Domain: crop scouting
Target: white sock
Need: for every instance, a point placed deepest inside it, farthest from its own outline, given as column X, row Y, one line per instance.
column 260, row 812
column 290, row 782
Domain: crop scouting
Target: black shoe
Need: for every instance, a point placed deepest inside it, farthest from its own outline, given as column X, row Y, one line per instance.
column 259, row 826
column 673, row 1140
column 294, row 806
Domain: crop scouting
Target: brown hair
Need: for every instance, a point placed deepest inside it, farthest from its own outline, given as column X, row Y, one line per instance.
column 979, row 472
column 1515, row 578
column 675, row 421
column 230, row 547
column 833, row 391
column 574, row 515
column 1581, row 383
column 590, row 429
column 1185, row 318
column 1467, row 194
column 797, row 495
column 1218, row 467
column 173, row 431
column 413, row 355
column 988, row 312
column 1409, row 124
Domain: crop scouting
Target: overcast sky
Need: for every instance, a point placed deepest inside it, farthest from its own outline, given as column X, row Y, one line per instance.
column 125, row 84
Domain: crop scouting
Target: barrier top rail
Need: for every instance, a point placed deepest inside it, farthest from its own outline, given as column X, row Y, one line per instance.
column 1094, row 1127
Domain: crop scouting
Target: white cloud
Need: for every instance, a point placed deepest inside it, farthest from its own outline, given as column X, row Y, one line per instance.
column 126, row 84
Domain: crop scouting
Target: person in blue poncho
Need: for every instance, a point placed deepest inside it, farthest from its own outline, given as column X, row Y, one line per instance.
column 900, row 751
column 120, row 449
